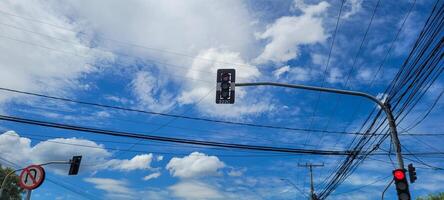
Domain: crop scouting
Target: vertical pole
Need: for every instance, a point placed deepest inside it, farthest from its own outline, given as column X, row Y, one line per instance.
column 311, row 183
column 310, row 166
column 394, row 135
column 28, row 195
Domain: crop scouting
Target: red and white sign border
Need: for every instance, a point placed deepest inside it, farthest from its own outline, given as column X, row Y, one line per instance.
column 38, row 182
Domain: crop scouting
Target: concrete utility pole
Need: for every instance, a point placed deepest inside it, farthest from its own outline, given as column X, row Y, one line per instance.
column 310, row 167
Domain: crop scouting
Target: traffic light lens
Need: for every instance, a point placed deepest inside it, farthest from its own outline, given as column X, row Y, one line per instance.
column 225, row 85
column 399, row 175
column 225, row 77
column 401, row 186
column 404, row 196
column 224, row 94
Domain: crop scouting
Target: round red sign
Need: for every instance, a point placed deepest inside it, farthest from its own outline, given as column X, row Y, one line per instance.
column 32, row 177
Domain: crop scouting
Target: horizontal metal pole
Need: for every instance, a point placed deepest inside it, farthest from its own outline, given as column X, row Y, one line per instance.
column 55, row 162
column 315, row 88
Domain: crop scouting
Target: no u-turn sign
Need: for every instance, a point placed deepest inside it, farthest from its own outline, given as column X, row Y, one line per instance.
column 32, row 177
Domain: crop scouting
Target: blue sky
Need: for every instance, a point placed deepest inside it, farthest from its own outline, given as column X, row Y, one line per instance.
column 162, row 56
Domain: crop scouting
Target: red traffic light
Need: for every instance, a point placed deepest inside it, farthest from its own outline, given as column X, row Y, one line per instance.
column 399, row 174
column 226, row 77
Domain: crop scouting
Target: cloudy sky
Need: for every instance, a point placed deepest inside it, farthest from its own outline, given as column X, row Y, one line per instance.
column 161, row 56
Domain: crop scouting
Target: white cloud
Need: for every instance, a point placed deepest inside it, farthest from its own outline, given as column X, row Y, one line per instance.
column 152, row 176
column 318, row 59
column 188, row 28
column 237, row 172
column 431, row 184
column 335, row 75
column 277, row 73
column 293, row 73
column 155, row 194
column 26, row 66
column 11, row 145
column 102, row 114
column 159, row 158
column 361, row 179
column 172, row 40
column 137, row 162
column 195, row 190
column 288, row 33
column 19, row 150
column 121, row 100
column 115, row 189
column 365, row 74
column 194, row 165
column 351, row 8
column 178, row 39
column 194, row 92
column 150, row 92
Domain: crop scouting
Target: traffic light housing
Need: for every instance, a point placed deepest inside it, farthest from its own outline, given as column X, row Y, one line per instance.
column 75, row 165
column 402, row 187
column 225, row 86
column 412, row 173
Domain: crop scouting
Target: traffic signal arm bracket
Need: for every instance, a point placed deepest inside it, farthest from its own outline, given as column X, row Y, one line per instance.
column 384, row 106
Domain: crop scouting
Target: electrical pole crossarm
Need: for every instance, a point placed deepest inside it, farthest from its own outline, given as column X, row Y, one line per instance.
column 310, row 166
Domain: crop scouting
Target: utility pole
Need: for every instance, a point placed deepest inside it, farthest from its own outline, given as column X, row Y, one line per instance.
column 310, row 167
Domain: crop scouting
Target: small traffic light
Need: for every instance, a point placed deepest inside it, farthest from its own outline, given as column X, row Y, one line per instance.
column 412, row 173
column 402, row 187
column 225, row 86
column 75, row 165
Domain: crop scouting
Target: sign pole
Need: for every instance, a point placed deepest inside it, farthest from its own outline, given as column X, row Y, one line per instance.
column 28, row 195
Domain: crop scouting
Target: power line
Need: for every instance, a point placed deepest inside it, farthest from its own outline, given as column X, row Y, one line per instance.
column 420, row 120
column 169, row 139
column 414, row 77
column 312, row 118
column 174, row 119
column 361, row 46
column 325, row 70
column 168, row 115
column 363, row 186
column 112, row 118
column 48, row 139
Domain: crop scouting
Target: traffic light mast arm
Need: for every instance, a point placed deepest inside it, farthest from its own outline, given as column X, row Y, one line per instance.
column 385, row 107
column 55, row 162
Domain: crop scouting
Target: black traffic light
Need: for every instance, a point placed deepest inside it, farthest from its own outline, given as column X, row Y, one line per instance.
column 412, row 173
column 402, row 187
column 75, row 165
column 225, row 86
